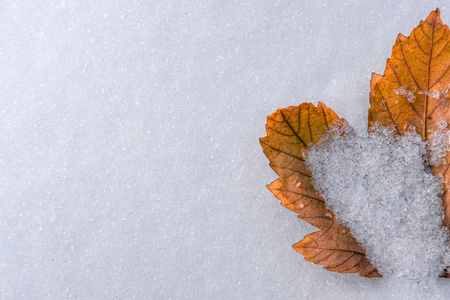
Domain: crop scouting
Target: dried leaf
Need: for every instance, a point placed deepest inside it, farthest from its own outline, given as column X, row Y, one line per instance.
column 290, row 132
column 413, row 93
column 337, row 250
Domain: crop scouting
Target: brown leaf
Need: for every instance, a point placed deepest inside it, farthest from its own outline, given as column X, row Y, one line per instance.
column 337, row 250
column 412, row 94
column 290, row 131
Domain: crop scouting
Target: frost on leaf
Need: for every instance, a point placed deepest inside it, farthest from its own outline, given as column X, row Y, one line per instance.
column 408, row 92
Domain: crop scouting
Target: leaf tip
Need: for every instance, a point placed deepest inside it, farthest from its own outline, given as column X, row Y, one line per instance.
column 261, row 141
column 400, row 38
column 434, row 16
column 375, row 78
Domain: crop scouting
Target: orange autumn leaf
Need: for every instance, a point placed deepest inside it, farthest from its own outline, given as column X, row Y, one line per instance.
column 337, row 250
column 413, row 92
column 290, row 132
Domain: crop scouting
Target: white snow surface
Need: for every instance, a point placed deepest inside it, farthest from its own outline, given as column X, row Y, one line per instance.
column 380, row 186
column 129, row 154
column 439, row 143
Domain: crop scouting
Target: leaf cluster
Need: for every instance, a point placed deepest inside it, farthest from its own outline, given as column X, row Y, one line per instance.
column 411, row 95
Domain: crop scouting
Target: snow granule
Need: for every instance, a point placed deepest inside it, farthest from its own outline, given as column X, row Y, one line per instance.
column 407, row 92
column 439, row 143
column 380, row 187
column 436, row 94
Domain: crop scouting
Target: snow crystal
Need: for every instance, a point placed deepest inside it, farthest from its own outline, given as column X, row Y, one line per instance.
column 439, row 143
column 381, row 188
column 408, row 92
column 436, row 94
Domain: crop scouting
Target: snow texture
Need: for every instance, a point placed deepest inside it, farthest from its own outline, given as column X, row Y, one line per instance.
column 129, row 154
column 439, row 143
column 381, row 187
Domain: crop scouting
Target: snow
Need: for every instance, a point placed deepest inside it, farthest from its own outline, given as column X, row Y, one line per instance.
column 439, row 143
column 131, row 167
column 405, row 91
column 381, row 188
column 436, row 94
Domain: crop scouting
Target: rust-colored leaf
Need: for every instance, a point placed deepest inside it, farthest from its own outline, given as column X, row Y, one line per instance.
column 337, row 250
column 290, row 131
column 413, row 92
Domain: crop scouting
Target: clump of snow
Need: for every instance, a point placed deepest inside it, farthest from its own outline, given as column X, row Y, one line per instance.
column 380, row 187
column 408, row 92
column 439, row 143
column 436, row 94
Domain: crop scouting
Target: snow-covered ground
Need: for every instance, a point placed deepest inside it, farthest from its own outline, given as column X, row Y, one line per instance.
column 129, row 153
